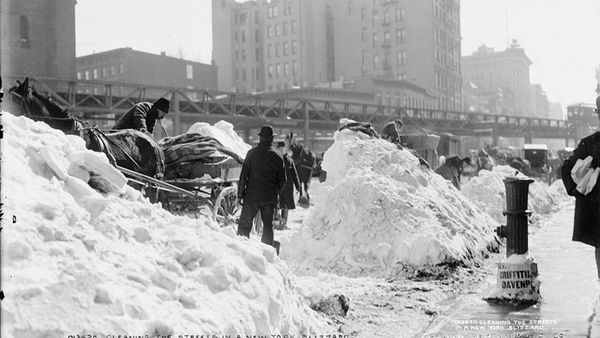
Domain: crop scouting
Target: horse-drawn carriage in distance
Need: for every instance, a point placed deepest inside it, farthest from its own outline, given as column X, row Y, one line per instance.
column 538, row 157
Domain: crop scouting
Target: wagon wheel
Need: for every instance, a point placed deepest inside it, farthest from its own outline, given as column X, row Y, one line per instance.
column 227, row 210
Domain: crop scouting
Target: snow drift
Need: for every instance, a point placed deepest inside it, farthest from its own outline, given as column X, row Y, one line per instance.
column 222, row 131
column 488, row 192
column 76, row 261
column 379, row 209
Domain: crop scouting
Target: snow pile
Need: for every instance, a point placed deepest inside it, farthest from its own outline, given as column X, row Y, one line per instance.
column 222, row 131
column 76, row 261
column 558, row 188
column 488, row 191
column 378, row 211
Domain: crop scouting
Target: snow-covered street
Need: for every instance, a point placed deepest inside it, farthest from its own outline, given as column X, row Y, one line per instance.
column 401, row 245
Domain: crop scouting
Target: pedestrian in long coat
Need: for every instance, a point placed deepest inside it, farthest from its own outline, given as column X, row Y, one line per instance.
column 286, row 198
column 586, row 226
column 261, row 181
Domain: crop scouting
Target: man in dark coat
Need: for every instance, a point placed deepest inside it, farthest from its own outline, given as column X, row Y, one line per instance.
column 142, row 116
column 586, row 227
column 286, row 198
column 261, row 181
column 452, row 169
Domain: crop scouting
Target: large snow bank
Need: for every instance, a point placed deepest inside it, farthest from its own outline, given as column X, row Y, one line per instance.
column 488, row 191
column 222, row 131
column 379, row 210
column 77, row 261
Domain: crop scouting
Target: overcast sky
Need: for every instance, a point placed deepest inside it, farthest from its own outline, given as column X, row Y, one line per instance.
column 559, row 36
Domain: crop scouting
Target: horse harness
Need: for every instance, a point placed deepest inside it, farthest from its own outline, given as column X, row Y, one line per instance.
column 104, row 141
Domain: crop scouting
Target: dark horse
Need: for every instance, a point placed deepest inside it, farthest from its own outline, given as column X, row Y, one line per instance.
column 304, row 159
column 127, row 148
column 25, row 100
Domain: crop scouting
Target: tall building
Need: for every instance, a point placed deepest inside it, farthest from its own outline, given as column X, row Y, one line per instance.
column 274, row 45
column 131, row 66
column 491, row 70
column 37, row 39
column 539, row 102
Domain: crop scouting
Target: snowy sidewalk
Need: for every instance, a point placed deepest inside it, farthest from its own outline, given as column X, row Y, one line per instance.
column 569, row 291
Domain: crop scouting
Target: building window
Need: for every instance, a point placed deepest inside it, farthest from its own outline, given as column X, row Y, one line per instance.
column 24, row 32
column 285, row 28
column 294, row 26
column 272, row 12
column 287, row 8
column 401, row 58
column 189, row 72
column 243, row 55
column 269, row 31
column 285, row 48
column 375, row 18
column 375, row 38
column 386, row 37
column 269, row 51
column 243, row 74
column 237, row 75
column 364, row 56
column 235, row 37
column 104, row 72
column 243, row 36
column 294, row 47
column 277, row 30
column 256, row 35
column 87, row 74
column 375, row 61
column 113, row 70
column 350, row 3
column 270, row 71
column 295, row 68
column 286, row 69
column 386, row 18
column 237, row 55
column 278, row 70
column 400, row 13
column 78, row 75
column 364, row 35
column 277, row 48
column 121, row 68
column 400, row 36
column 257, row 54
column 95, row 73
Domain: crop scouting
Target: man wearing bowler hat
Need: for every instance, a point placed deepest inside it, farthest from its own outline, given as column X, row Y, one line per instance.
column 261, row 180
column 142, row 116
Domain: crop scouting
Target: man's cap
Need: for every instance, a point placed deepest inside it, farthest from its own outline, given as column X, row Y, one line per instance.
column 280, row 144
column 266, row 131
column 162, row 104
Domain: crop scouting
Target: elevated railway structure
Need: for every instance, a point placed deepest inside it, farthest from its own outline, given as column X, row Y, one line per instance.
column 102, row 102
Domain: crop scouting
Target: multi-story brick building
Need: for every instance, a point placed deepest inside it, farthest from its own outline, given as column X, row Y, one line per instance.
column 539, row 102
column 130, row 66
column 491, row 70
column 273, row 45
column 37, row 39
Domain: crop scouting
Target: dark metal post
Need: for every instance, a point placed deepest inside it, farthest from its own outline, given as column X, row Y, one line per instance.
column 515, row 231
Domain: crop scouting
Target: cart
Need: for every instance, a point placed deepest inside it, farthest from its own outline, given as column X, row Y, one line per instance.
column 537, row 155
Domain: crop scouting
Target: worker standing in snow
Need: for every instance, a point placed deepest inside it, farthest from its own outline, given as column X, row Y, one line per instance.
column 142, row 116
column 391, row 132
column 261, row 181
column 286, row 198
column 586, row 227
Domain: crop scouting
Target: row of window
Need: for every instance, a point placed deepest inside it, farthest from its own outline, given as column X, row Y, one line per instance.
column 400, row 37
column 278, row 30
column 400, row 16
column 95, row 73
column 282, row 49
column 387, row 64
column 278, row 70
column 272, row 11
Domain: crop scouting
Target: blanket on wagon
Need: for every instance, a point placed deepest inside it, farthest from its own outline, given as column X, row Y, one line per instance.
column 195, row 147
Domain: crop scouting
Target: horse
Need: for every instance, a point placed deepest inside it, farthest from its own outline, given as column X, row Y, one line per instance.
column 304, row 159
column 483, row 161
column 128, row 148
column 25, row 100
